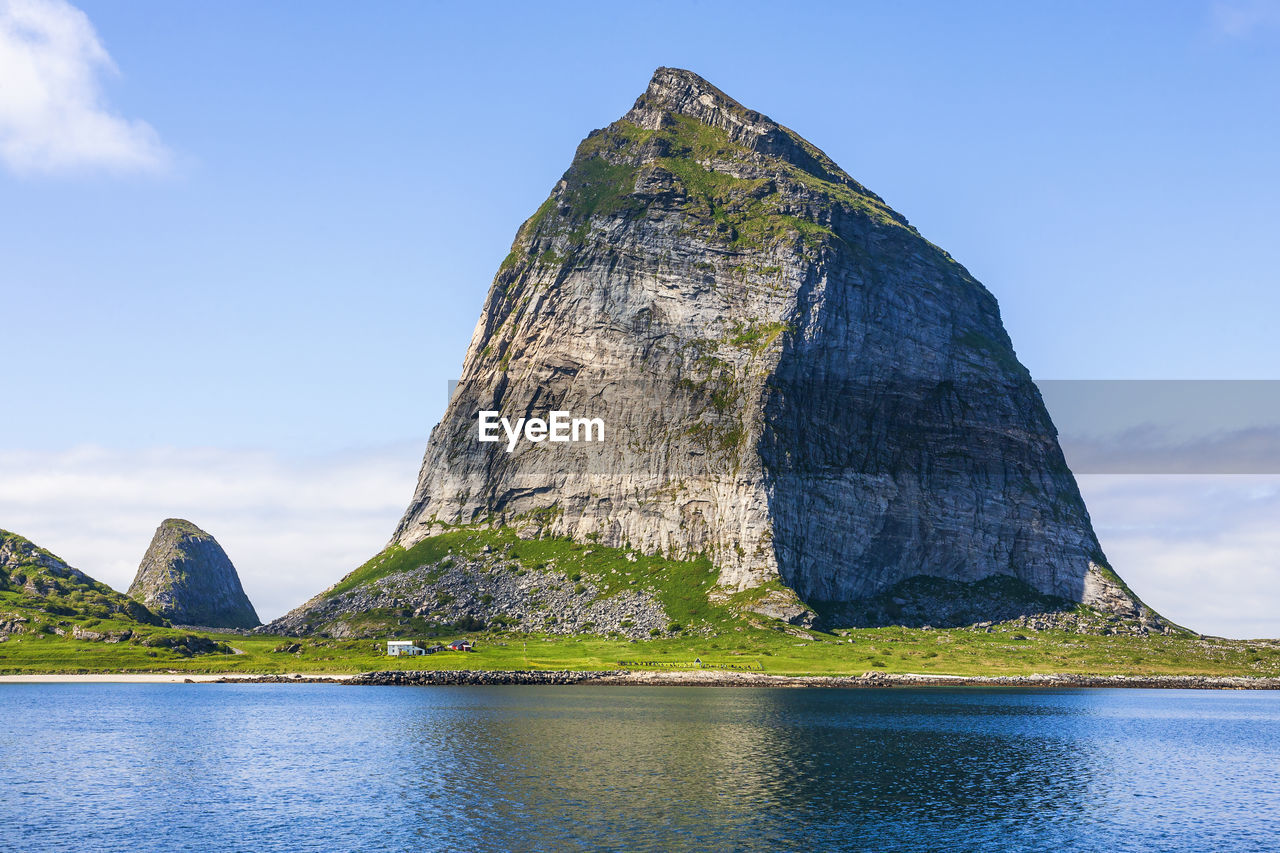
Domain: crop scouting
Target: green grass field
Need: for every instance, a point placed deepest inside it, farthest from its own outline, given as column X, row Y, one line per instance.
column 889, row 650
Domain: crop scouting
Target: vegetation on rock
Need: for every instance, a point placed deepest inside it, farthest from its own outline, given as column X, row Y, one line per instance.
column 44, row 602
column 40, row 592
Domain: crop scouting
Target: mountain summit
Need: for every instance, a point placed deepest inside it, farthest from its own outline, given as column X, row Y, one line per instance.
column 791, row 380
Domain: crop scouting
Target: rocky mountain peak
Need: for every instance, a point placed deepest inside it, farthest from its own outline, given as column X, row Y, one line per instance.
column 674, row 92
column 796, row 383
column 186, row 577
column 679, row 92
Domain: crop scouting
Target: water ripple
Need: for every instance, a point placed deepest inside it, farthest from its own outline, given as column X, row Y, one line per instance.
column 324, row 768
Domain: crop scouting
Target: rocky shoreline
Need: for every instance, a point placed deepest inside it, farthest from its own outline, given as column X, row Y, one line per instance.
column 281, row 679
column 694, row 678
column 720, row 678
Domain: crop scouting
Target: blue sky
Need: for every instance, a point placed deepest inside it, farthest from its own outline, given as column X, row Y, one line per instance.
column 289, row 261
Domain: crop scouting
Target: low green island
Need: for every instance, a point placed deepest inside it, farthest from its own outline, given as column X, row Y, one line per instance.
column 54, row 619
column 744, row 296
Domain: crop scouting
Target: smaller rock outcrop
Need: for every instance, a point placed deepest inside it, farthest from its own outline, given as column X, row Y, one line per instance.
column 186, row 577
column 471, row 589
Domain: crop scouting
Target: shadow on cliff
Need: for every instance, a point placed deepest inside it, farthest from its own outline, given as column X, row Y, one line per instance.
column 940, row 603
column 908, row 482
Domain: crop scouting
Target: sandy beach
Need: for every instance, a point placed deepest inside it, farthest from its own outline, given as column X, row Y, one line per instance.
column 154, row 678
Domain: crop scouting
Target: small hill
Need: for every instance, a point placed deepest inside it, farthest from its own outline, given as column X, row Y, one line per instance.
column 470, row 578
column 40, row 593
column 186, row 577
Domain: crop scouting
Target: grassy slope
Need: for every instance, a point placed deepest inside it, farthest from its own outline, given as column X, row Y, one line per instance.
column 43, row 601
column 60, row 591
column 680, row 585
column 720, row 634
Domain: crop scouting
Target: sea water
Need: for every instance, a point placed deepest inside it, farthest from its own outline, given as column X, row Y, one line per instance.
column 169, row 767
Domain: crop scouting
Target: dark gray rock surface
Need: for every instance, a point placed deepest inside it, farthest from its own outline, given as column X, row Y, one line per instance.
column 186, row 577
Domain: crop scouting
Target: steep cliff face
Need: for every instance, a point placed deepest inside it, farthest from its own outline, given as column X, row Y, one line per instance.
column 186, row 577
column 792, row 380
column 39, row 589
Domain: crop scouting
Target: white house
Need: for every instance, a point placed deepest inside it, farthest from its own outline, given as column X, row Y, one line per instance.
column 403, row 647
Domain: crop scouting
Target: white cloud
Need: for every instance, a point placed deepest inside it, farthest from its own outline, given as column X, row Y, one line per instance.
column 1202, row 550
column 292, row 526
column 52, row 115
